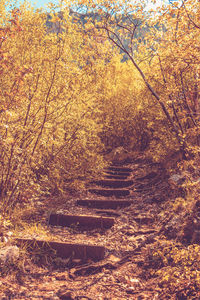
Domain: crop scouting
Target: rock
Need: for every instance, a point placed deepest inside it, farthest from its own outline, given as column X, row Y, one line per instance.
column 113, row 258
column 176, row 179
column 9, row 254
column 176, row 183
column 174, row 226
column 64, row 295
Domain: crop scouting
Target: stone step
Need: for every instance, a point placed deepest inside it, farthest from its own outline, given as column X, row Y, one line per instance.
column 104, row 204
column 118, row 173
column 113, row 183
column 116, row 163
column 120, row 177
column 81, row 221
column 110, row 192
column 151, row 175
column 65, row 250
column 107, row 212
column 120, row 169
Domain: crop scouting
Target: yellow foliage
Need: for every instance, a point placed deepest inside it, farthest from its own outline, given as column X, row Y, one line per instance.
column 66, row 94
column 165, row 55
column 49, row 118
column 183, row 267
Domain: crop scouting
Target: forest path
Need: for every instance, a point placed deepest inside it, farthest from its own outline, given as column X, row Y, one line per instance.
column 121, row 229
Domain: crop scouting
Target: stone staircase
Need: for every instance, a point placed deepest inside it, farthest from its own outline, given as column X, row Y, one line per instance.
column 114, row 188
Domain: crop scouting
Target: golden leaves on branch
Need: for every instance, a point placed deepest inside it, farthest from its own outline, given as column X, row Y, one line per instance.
column 49, row 116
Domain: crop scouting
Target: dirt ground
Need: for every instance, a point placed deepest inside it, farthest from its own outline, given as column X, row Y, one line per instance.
column 128, row 270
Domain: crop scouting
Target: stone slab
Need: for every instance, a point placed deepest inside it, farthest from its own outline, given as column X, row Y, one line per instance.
column 65, row 250
column 118, row 193
column 81, row 221
column 120, row 169
column 104, row 204
column 113, row 183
